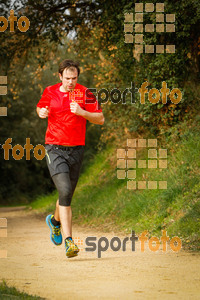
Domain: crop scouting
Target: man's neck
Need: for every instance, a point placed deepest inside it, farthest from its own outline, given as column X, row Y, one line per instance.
column 62, row 89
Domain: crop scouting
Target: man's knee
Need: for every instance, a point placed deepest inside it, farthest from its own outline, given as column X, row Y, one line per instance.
column 65, row 196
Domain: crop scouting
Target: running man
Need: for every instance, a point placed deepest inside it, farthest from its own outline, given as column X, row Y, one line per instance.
column 67, row 110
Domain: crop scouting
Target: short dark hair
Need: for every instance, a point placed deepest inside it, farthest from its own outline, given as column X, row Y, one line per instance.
column 68, row 64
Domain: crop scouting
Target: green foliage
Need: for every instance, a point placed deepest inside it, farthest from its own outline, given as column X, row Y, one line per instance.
column 117, row 67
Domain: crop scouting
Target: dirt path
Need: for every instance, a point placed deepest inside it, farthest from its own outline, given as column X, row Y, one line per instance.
column 36, row 266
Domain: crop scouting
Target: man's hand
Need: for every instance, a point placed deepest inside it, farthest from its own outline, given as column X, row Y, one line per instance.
column 76, row 109
column 43, row 113
column 95, row 118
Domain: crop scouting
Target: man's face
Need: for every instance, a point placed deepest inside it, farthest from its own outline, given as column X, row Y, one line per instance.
column 69, row 79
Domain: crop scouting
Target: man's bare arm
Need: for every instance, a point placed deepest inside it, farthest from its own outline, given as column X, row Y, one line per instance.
column 96, row 118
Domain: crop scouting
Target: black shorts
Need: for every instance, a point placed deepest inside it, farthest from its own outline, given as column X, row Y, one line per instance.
column 63, row 159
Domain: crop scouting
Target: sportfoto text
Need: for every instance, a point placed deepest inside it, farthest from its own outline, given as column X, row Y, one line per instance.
column 154, row 95
column 102, row 244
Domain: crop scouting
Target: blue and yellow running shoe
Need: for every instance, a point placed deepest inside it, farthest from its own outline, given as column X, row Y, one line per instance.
column 71, row 248
column 55, row 233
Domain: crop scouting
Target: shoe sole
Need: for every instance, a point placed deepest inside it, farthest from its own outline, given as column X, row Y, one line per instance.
column 72, row 253
column 48, row 223
column 75, row 253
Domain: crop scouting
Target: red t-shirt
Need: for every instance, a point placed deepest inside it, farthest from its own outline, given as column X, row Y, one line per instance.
column 64, row 127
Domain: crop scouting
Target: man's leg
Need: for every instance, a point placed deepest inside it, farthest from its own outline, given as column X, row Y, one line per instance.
column 63, row 212
column 66, row 220
column 56, row 214
column 64, row 215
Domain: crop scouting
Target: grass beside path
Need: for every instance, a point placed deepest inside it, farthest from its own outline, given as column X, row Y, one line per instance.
column 103, row 200
column 11, row 293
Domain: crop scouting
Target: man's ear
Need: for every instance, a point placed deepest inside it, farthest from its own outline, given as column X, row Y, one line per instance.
column 60, row 76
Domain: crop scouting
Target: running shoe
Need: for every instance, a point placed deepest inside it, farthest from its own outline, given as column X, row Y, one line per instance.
column 71, row 248
column 55, row 233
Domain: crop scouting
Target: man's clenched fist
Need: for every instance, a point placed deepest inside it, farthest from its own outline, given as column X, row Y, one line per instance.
column 43, row 113
column 75, row 108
